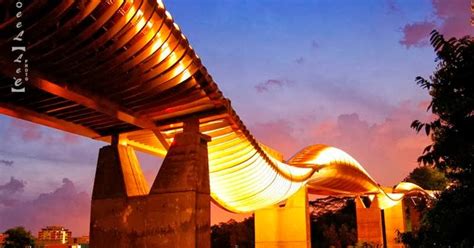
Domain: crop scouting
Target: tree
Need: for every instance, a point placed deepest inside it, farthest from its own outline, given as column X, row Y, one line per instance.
column 333, row 222
column 427, row 178
column 452, row 90
column 451, row 221
column 233, row 234
column 18, row 237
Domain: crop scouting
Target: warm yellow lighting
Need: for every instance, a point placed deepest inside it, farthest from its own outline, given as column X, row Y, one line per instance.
column 156, row 44
column 140, row 13
column 131, row 12
column 149, row 24
column 245, row 175
column 168, row 15
column 150, row 55
column 160, row 3
column 143, row 147
column 242, row 181
column 140, row 23
column 176, row 26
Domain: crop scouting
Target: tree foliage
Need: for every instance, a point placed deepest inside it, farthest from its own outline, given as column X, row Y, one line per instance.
column 450, row 223
column 335, row 228
column 18, row 237
column 233, row 234
column 427, row 178
column 452, row 90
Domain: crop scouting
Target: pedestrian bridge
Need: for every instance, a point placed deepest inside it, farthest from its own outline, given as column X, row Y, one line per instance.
column 124, row 73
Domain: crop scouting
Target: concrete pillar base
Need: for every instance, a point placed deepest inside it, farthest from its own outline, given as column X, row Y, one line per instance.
column 394, row 223
column 284, row 226
column 379, row 227
column 369, row 223
column 176, row 212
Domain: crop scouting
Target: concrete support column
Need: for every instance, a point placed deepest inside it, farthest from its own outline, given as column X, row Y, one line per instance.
column 118, row 173
column 377, row 226
column 179, row 199
column 176, row 211
column 369, row 223
column 284, row 226
column 394, row 223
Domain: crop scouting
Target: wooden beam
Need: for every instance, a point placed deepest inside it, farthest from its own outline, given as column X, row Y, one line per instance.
column 28, row 115
column 202, row 114
column 90, row 100
column 98, row 103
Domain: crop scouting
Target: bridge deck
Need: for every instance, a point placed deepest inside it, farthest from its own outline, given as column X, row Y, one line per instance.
column 102, row 68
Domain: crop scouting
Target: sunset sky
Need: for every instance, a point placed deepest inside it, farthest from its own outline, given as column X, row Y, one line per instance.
column 298, row 72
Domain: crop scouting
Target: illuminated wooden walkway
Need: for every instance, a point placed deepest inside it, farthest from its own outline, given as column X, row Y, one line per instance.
column 100, row 68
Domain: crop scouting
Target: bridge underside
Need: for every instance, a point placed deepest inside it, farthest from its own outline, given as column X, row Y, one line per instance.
column 124, row 73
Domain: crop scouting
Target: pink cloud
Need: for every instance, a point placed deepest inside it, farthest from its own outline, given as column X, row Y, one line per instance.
column 64, row 206
column 276, row 134
column 71, row 138
column 27, row 131
column 31, row 132
column 456, row 16
column 452, row 19
column 417, row 34
column 423, row 105
column 388, row 149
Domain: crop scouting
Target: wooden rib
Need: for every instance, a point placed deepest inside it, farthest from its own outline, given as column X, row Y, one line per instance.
column 28, row 115
column 208, row 113
column 97, row 103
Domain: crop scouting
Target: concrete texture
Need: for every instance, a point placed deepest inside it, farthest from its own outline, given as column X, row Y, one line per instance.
column 369, row 223
column 394, row 223
column 176, row 212
column 284, row 226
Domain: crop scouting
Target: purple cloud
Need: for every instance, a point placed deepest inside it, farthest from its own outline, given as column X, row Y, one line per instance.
column 29, row 140
column 13, row 186
column 8, row 163
column 64, row 206
column 452, row 19
column 272, row 83
column 9, row 189
column 300, row 60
